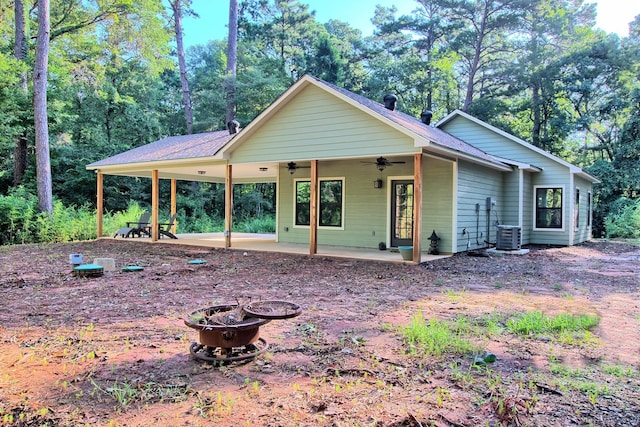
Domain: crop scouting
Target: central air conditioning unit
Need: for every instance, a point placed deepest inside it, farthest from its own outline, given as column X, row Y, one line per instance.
column 509, row 237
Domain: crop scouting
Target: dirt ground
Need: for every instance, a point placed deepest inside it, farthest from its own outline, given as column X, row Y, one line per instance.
column 114, row 350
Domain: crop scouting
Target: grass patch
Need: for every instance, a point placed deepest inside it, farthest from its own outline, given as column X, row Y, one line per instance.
column 436, row 337
column 536, row 322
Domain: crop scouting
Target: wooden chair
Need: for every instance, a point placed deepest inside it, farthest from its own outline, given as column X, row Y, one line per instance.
column 165, row 228
column 139, row 228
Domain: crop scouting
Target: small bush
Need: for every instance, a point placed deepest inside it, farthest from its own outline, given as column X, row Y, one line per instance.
column 625, row 221
column 265, row 224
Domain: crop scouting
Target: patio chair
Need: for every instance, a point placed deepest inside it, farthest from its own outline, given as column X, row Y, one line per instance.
column 165, row 228
column 142, row 226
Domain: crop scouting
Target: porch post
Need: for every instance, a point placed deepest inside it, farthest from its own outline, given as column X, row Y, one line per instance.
column 155, row 193
column 417, row 206
column 228, row 206
column 174, row 190
column 313, row 217
column 100, row 202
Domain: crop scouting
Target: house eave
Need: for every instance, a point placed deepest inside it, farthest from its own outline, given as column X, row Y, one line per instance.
column 472, row 159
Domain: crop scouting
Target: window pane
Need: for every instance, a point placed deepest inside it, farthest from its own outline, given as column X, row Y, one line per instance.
column 330, row 203
column 303, row 202
column 549, row 208
column 577, row 207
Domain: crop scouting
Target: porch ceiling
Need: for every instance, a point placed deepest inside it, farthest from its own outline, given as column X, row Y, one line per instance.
column 205, row 171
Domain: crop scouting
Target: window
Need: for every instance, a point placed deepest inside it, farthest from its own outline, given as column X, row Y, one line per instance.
column 589, row 209
column 303, row 203
column 548, row 207
column 330, row 204
column 330, row 208
column 577, row 208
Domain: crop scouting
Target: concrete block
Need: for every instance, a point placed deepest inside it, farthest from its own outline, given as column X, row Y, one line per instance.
column 108, row 264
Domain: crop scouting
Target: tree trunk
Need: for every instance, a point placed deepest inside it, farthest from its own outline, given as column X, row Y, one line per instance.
column 232, row 60
column 176, row 5
column 20, row 52
column 43, row 161
column 474, row 64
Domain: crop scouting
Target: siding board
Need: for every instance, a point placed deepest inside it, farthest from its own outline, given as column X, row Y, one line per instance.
column 316, row 125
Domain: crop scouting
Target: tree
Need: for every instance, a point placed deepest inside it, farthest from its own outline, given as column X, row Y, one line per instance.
column 326, row 62
column 232, row 65
column 482, row 27
column 285, row 30
column 40, row 69
column 20, row 52
column 177, row 7
column 411, row 58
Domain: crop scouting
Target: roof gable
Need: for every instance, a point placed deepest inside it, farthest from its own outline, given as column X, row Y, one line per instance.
column 420, row 134
column 519, row 142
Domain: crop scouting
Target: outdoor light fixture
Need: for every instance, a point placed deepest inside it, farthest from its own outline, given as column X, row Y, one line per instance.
column 264, row 169
column 202, row 172
column 377, row 183
column 291, row 166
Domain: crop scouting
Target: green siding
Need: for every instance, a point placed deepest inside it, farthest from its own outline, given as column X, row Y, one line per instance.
column 365, row 207
column 583, row 231
column 318, row 125
column 527, row 217
column 366, row 212
column 475, row 184
column 437, row 203
column 510, row 199
column 554, row 174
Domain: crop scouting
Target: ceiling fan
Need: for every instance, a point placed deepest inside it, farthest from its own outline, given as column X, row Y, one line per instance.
column 292, row 167
column 382, row 162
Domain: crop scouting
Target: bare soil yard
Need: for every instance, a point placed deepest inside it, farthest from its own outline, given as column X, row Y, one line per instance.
column 114, row 350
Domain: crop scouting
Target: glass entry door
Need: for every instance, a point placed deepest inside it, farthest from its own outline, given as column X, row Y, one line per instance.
column 401, row 213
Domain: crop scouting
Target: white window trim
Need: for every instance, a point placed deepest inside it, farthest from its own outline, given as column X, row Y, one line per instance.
column 576, row 207
column 535, row 208
column 324, row 178
column 589, row 208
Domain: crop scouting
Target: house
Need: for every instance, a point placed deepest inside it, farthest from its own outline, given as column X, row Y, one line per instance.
column 353, row 172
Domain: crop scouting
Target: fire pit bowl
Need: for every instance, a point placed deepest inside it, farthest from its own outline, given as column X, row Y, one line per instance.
column 226, row 334
column 273, row 309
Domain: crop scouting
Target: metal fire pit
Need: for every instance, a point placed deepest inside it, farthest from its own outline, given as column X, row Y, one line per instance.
column 229, row 333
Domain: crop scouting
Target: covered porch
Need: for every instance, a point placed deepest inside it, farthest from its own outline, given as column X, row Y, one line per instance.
column 267, row 243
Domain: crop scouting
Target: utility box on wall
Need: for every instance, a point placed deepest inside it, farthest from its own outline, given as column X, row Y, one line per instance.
column 508, row 238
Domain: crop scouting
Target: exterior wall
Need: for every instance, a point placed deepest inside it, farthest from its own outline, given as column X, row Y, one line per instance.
column 438, row 188
column 509, row 214
column 318, row 125
column 527, row 217
column 365, row 207
column 582, row 232
column 554, row 174
column 475, row 184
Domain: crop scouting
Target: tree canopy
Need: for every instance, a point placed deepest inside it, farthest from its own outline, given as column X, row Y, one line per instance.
column 538, row 69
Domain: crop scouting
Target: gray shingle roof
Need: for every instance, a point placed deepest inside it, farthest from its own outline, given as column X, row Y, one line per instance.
column 208, row 144
column 171, row 148
column 416, row 126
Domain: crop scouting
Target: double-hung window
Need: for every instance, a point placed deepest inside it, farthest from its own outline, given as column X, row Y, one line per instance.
column 330, row 203
column 548, row 207
column 577, row 208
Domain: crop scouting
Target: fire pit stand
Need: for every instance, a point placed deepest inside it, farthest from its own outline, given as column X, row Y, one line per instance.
column 231, row 332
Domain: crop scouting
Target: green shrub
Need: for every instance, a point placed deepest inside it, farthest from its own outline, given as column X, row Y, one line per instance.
column 624, row 222
column 18, row 213
column 265, row 224
column 22, row 222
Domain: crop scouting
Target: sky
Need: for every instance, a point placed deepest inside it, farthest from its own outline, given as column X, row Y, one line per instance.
column 613, row 16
